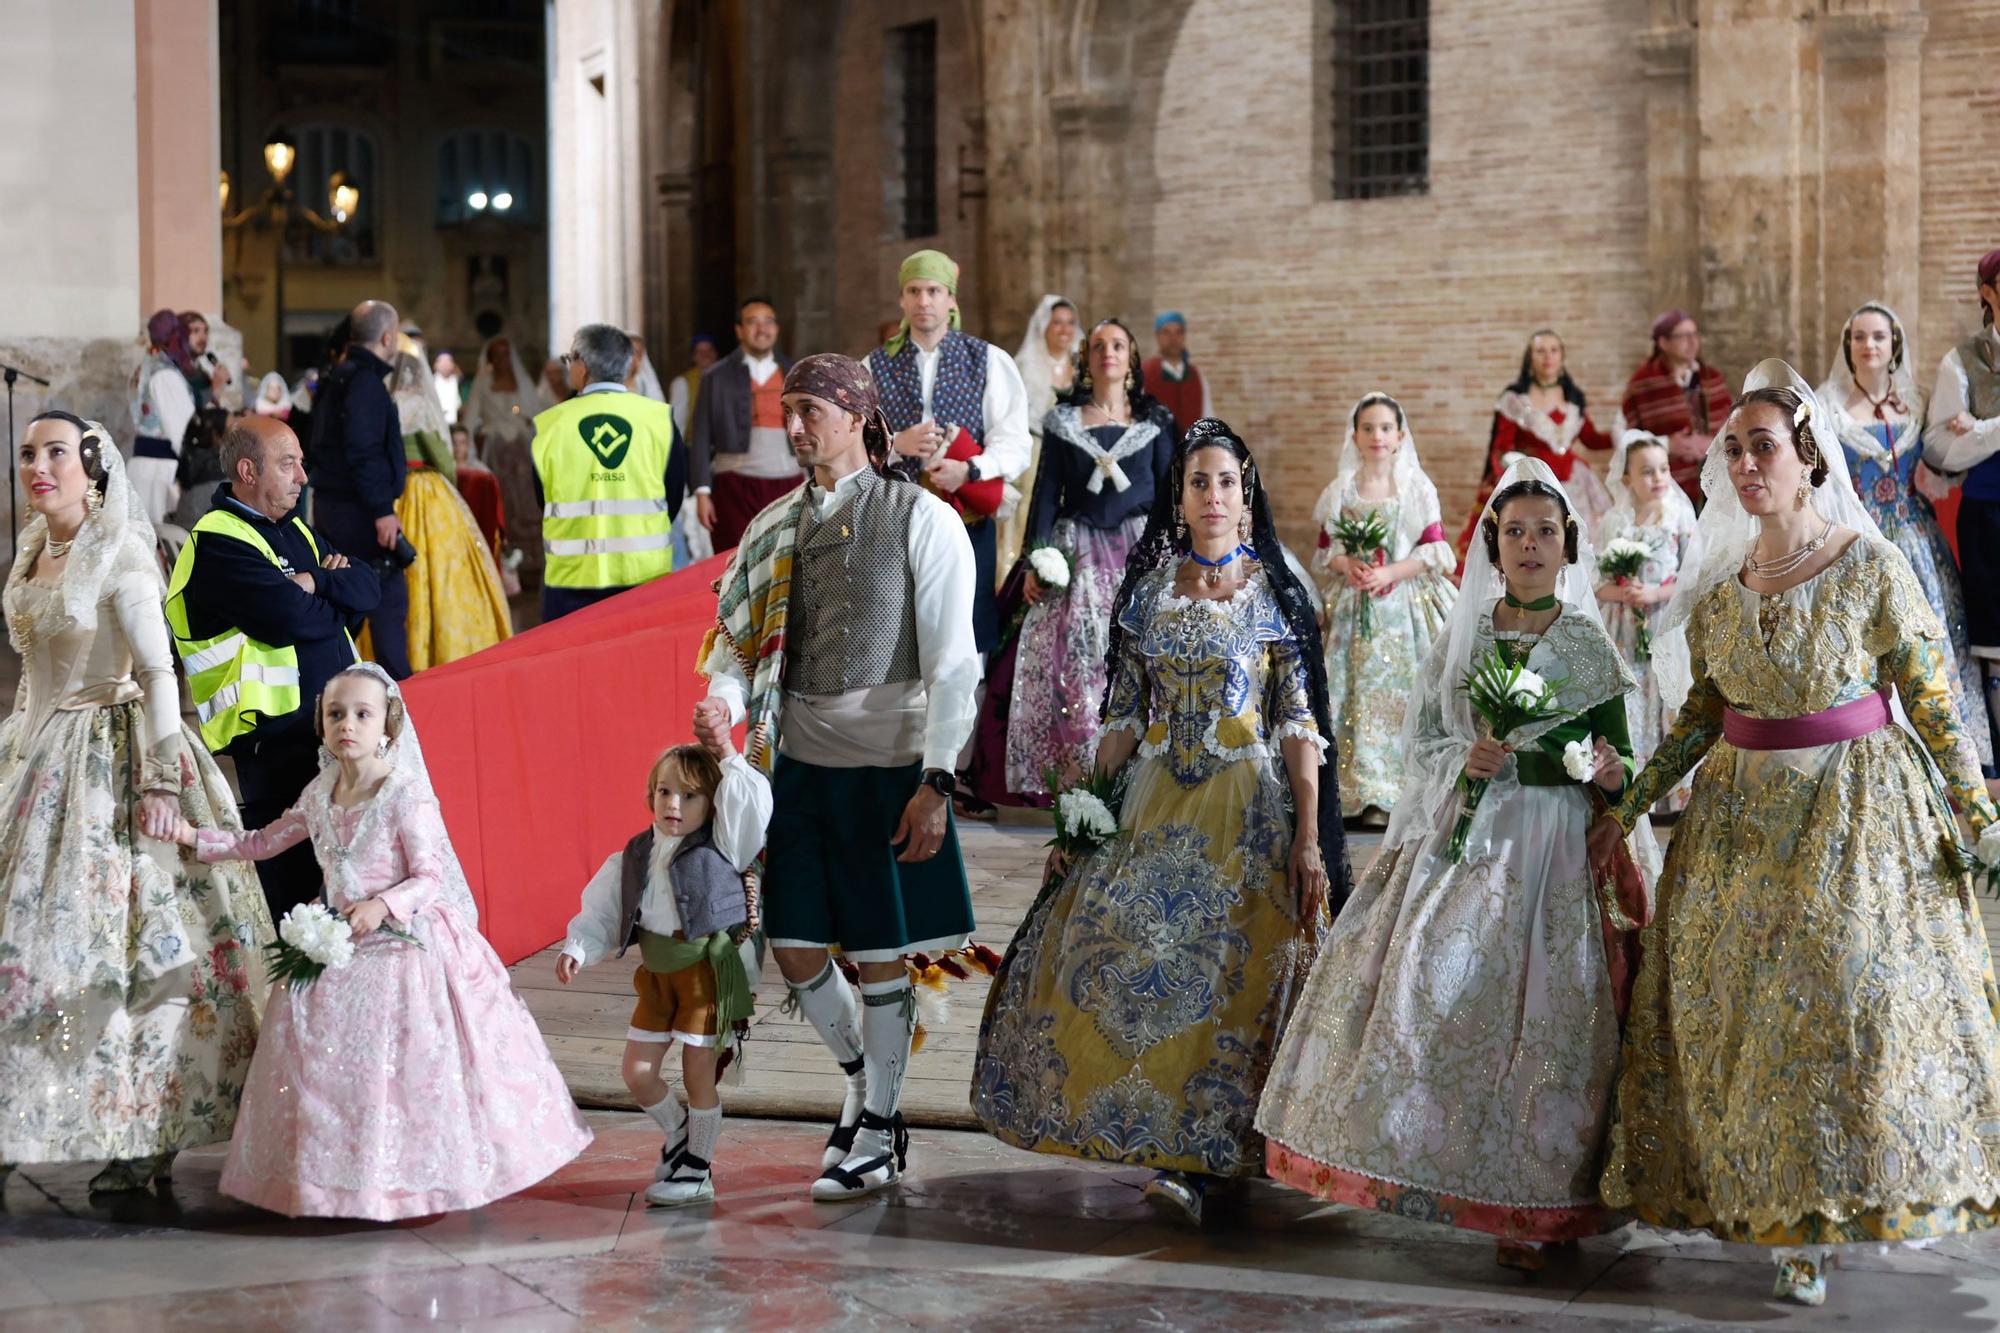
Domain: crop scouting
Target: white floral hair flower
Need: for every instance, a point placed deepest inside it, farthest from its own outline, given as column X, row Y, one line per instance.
column 1804, row 411
column 1580, row 759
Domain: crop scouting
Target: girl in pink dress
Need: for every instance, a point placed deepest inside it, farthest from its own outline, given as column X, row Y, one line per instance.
column 412, row 1080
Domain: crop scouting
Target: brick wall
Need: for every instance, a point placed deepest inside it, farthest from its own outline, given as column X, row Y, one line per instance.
column 1298, row 304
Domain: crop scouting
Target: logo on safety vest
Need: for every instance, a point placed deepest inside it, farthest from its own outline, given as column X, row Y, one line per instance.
column 609, row 438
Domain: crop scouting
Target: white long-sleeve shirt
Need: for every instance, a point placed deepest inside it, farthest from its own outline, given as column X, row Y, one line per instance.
column 941, row 564
column 1944, row 450
column 174, row 401
column 1005, row 407
column 742, row 809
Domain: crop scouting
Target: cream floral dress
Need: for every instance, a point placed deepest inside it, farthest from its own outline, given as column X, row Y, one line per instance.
column 128, row 972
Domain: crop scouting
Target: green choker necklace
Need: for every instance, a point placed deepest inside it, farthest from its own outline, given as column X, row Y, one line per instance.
column 1540, row 604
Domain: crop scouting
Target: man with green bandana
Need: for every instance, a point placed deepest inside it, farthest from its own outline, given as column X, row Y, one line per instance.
column 932, row 376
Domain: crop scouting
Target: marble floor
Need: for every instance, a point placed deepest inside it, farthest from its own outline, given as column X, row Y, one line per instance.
column 978, row 1236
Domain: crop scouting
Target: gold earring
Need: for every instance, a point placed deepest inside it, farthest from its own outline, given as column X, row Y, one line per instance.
column 1180, row 527
column 1243, row 527
column 93, row 499
column 1805, row 494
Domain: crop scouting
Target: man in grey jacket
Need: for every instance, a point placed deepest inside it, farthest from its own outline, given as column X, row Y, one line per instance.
column 739, row 460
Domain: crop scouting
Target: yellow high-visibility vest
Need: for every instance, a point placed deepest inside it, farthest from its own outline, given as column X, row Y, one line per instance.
column 237, row 681
column 606, row 521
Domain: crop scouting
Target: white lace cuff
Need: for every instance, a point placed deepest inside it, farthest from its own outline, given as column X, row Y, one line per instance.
column 1303, row 731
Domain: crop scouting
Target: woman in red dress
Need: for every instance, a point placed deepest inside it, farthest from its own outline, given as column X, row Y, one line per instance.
column 1541, row 415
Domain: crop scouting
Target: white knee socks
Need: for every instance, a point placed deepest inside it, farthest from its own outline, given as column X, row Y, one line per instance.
column 888, row 1018
column 704, row 1127
column 671, row 1114
column 828, row 1004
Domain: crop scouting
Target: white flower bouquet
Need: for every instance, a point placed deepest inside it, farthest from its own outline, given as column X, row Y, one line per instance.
column 1506, row 698
column 1621, row 560
column 1050, row 566
column 1086, row 814
column 1983, row 863
column 312, row 939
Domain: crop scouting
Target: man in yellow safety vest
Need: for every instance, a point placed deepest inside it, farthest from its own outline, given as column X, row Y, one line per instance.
column 610, row 477
column 261, row 606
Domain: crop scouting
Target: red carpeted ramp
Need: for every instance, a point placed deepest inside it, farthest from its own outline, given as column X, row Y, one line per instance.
column 539, row 746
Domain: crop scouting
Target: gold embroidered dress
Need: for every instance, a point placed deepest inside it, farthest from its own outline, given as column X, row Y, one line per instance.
column 1811, row 1054
column 1137, row 1011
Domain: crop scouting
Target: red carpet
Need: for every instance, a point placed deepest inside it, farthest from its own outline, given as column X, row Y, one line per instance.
column 539, row 746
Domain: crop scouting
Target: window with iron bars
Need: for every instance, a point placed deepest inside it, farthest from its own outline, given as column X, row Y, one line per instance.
column 913, row 83
column 1381, row 98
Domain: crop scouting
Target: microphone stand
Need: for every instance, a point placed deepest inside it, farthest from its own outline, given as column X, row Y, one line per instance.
column 10, row 374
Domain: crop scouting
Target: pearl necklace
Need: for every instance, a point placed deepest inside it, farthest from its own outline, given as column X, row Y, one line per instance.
column 1779, row 566
column 58, row 550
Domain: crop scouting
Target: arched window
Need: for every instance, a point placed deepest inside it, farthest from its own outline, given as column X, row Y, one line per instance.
column 323, row 150
column 486, row 174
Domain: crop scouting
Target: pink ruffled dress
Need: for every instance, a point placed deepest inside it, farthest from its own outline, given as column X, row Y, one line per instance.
column 412, row 1080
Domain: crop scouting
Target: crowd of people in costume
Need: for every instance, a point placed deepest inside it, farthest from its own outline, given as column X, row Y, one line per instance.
column 1054, row 579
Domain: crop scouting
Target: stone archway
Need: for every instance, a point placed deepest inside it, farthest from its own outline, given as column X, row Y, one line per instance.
column 1073, row 94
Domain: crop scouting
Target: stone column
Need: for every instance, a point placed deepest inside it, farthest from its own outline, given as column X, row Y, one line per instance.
column 1673, row 241
column 1871, row 92
column 180, row 156
column 1750, row 100
column 1086, row 251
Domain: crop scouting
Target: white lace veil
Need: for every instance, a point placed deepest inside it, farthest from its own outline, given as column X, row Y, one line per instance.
column 267, row 405
column 1035, row 363
column 1727, row 532
column 118, row 530
column 1839, row 383
column 409, row 779
column 490, row 405
column 1433, row 763
column 1415, row 495
column 647, row 382
column 414, row 388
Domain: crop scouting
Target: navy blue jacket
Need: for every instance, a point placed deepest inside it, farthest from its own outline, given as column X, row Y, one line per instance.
column 356, row 452
column 232, row 585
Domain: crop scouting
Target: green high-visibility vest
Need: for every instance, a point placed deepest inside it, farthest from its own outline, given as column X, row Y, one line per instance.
column 237, row 681
column 606, row 519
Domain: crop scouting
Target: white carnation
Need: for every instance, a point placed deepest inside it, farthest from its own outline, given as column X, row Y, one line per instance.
column 1627, row 546
column 1050, row 568
column 1085, row 815
column 1989, row 845
column 1527, row 687
column 1579, row 759
column 318, row 934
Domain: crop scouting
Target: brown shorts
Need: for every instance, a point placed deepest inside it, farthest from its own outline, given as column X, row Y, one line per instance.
column 674, row 1005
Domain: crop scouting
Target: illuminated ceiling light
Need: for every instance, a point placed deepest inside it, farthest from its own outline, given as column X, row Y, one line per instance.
column 477, row 199
column 503, row 201
column 225, row 192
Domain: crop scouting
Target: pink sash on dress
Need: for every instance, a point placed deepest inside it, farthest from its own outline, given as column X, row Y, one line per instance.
column 1842, row 722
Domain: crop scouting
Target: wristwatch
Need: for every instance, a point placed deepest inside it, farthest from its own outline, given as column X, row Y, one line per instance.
column 940, row 781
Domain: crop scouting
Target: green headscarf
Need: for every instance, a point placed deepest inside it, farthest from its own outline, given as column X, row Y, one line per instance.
column 934, row 266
